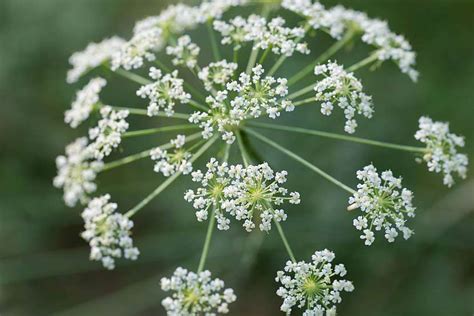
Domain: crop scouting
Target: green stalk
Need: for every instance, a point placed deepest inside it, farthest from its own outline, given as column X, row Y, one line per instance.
column 338, row 137
column 158, row 130
column 363, row 62
column 305, row 101
column 302, row 91
column 285, row 241
column 207, row 242
column 132, row 76
column 212, row 35
column 136, row 111
column 300, row 160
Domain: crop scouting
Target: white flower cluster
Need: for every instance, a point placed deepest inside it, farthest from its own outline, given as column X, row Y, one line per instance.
column 170, row 163
column 344, row 90
column 107, row 232
column 255, row 95
column 76, row 172
column 273, row 34
column 312, row 286
column 386, row 205
column 107, row 135
column 338, row 21
column 216, row 75
column 86, row 99
column 185, row 52
column 243, row 193
column 441, row 145
column 195, row 294
column 164, row 92
column 93, row 56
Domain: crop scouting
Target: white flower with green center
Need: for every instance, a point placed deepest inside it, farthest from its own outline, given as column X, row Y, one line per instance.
column 77, row 173
column 107, row 135
column 164, row 93
column 93, row 56
column 216, row 75
column 441, row 150
column 195, row 294
column 185, row 52
column 385, row 204
column 313, row 287
column 107, row 232
column 169, row 163
column 85, row 102
column 342, row 89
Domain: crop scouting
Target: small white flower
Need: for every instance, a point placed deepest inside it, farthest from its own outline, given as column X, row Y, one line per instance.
column 185, row 52
column 441, row 146
column 343, row 89
column 164, row 93
column 195, row 294
column 385, row 204
column 92, row 57
column 86, row 99
column 107, row 135
column 170, row 163
column 107, row 232
column 77, row 172
column 216, row 75
column 313, row 286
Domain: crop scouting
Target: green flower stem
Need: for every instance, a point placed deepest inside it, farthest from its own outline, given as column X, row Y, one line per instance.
column 252, row 60
column 264, row 55
column 363, row 62
column 158, row 130
column 305, row 101
column 132, row 76
column 285, row 241
column 168, row 181
column 301, row 92
column 236, row 56
column 300, row 160
column 160, row 64
column 143, row 154
column 322, row 58
column 243, row 150
column 338, row 136
column 212, row 35
column 198, row 106
column 181, row 116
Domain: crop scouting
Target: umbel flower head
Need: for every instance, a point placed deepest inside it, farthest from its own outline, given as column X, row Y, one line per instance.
column 313, row 286
column 246, row 193
column 107, row 135
column 441, row 149
column 248, row 97
column 107, row 232
column 164, row 93
column 170, row 163
column 342, row 89
column 77, row 172
column 86, row 100
column 385, row 204
column 195, row 294
column 185, row 52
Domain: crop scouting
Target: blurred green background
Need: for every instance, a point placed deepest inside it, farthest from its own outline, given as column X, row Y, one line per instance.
column 44, row 267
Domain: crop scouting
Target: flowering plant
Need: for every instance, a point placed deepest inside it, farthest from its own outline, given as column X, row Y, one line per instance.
column 223, row 99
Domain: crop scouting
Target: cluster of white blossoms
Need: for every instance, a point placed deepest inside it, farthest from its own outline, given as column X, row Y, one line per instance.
column 441, row 149
column 107, row 135
column 385, row 204
column 344, row 90
column 312, row 286
column 77, row 172
column 169, row 163
column 339, row 21
column 107, row 232
column 272, row 34
column 253, row 96
column 164, row 93
column 241, row 192
column 216, row 75
column 195, row 294
column 93, row 56
column 185, row 52
column 86, row 99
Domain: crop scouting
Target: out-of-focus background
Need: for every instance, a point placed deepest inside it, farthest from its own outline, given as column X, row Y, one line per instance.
column 44, row 266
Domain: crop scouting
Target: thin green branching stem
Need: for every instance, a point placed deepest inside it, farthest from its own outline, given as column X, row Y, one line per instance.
column 143, row 154
column 160, row 64
column 322, row 58
column 301, row 92
column 242, row 149
column 198, row 106
column 181, row 116
column 207, row 242
column 300, row 160
column 285, row 241
column 364, row 62
column 212, row 35
column 264, row 55
column 338, row 137
column 252, row 59
column 235, row 57
column 132, row 76
column 150, row 131
column 305, row 101
column 169, row 180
